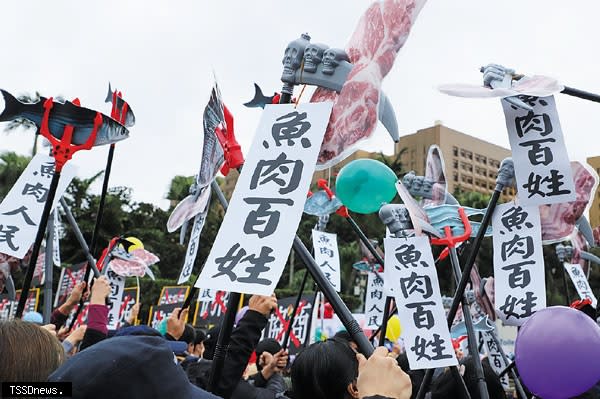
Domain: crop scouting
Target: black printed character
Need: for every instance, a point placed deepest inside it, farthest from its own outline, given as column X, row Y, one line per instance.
column 263, row 221
column 537, row 123
column 23, row 211
column 515, row 217
column 7, row 234
column 416, row 283
column 527, row 305
column 520, row 246
column 437, row 348
column 290, row 127
column 236, row 255
column 46, row 170
column 281, row 171
column 538, row 154
column 519, row 277
column 422, row 317
column 38, row 191
column 408, row 256
column 554, row 183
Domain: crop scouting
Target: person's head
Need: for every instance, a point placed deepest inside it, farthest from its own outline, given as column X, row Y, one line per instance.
column 128, row 367
column 266, row 346
column 346, row 336
column 28, row 352
column 188, row 334
column 325, row 370
column 196, row 347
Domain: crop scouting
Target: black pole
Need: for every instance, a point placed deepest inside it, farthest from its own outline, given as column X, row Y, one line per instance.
column 505, row 176
column 581, row 94
column 288, row 330
column 384, row 322
column 314, row 301
column 565, row 285
column 223, row 341
column 48, row 265
column 472, row 339
column 35, row 252
column 80, row 239
column 394, row 309
column 93, row 242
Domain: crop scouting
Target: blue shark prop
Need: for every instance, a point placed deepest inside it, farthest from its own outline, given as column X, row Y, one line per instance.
column 484, row 324
column 319, row 204
column 447, row 215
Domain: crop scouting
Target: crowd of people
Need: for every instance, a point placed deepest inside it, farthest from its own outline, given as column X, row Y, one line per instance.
column 138, row 361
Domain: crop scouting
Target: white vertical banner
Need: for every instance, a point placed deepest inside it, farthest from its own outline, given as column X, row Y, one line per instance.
column 192, row 248
column 255, row 238
column 327, row 257
column 580, row 282
column 519, row 279
column 56, row 239
column 21, row 210
column 374, row 302
column 542, row 167
column 410, row 266
column 495, row 357
column 117, row 285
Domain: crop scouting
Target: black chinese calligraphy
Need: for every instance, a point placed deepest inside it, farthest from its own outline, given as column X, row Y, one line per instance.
column 436, row 347
column 263, row 221
column 518, row 276
column 554, row 182
column 422, row 317
column 513, row 304
column 290, row 127
column 23, row 212
column 538, row 154
column 515, row 218
column 520, row 246
column 415, row 283
column 38, row 191
column 283, row 172
column 532, row 122
column 7, row 235
column 227, row 264
column 408, row 256
column 46, row 170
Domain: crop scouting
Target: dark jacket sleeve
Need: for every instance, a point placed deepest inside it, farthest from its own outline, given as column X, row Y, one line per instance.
column 243, row 341
column 96, row 328
column 58, row 319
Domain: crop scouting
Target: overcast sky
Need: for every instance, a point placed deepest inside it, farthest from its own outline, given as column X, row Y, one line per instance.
column 162, row 55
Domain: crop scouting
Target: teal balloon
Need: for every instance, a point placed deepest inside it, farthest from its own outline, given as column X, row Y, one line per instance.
column 364, row 185
column 162, row 327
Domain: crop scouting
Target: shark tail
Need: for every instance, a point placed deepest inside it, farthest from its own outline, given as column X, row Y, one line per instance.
column 259, row 100
column 12, row 107
column 109, row 95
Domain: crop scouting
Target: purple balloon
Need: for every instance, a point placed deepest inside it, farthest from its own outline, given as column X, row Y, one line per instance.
column 558, row 353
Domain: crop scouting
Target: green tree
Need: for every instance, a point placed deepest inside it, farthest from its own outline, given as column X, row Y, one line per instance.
column 12, row 166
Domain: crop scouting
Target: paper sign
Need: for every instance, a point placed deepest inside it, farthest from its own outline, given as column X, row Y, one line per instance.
column 173, row 294
column 280, row 318
column 21, row 210
column 212, row 305
column 413, row 278
column 192, row 248
column 69, row 277
column 495, row 357
column 580, row 282
column 374, row 302
column 520, row 285
column 542, row 167
column 56, row 239
column 117, row 285
column 327, row 257
column 161, row 312
column 254, row 241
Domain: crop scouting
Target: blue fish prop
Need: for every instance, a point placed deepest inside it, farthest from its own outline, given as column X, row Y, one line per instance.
column 61, row 115
column 484, row 324
column 319, row 204
column 447, row 215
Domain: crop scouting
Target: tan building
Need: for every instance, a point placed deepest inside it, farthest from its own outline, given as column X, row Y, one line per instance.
column 470, row 163
column 594, row 162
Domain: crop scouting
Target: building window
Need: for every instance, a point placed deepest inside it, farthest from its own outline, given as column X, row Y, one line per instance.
column 455, row 152
column 455, row 164
column 455, row 176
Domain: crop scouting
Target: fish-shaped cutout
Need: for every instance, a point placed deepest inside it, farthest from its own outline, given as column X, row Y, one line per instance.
column 212, row 159
column 259, row 100
column 484, row 324
column 418, row 216
column 447, row 215
column 319, row 204
column 538, row 86
column 135, row 263
column 559, row 220
column 129, row 116
column 61, row 115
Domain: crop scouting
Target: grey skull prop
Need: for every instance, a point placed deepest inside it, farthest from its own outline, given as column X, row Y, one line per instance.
column 332, row 58
column 313, row 54
column 292, row 58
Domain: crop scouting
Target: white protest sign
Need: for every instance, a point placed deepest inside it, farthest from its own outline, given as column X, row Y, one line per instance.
column 192, row 248
column 580, row 282
column 519, row 280
column 253, row 243
column 327, row 256
column 495, row 357
column 56, row 240
column 374, row 302
column 117, row 285
column 21, row 210
column 410, row 266
column 542, row 167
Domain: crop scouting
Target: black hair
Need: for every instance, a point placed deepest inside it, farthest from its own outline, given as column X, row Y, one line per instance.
column 269, row 345
column 199, row 337
column 189, row 334
column 323, row 370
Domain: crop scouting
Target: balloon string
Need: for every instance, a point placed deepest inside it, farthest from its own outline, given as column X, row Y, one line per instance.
column 300, row 96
